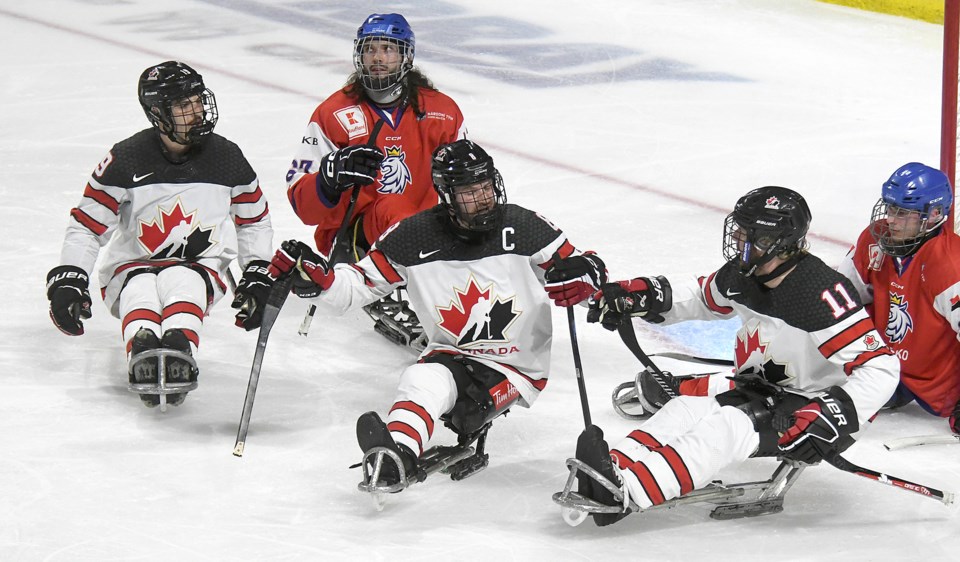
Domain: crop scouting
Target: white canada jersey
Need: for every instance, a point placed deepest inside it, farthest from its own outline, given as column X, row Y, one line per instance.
column 808, row 334
column 484, row 300
column 149, row 211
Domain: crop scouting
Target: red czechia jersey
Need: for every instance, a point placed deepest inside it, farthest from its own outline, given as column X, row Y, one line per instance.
column 407, row 139
column 916, row 307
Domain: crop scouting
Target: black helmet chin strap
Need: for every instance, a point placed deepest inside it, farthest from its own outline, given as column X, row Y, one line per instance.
column 781, row 269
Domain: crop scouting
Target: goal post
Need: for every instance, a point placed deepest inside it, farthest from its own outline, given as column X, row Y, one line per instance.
column 950, row 126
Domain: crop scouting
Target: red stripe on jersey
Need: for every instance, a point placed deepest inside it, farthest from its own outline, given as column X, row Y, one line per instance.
column 709, row 298
column 251, row 197
column 864, row 357
column 678, row 467
column 88, row 221
column 139, row 314
column 192, row 336
column 405, row 429
column 565, row 250
column 102, row 198
column 366, row 279
column 621, row 459
column 418, row 411
column 645, row 439
column 649, row 483
column 182, row 308
column 384, row 267
column 241, row 221
column 699, row 386
column 539, row 384
column 846, row 337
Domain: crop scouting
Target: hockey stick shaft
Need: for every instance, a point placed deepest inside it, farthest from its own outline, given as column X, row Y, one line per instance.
column 940, row 439
column 278, row 294
column 341, row 245
column 629, row 337
column 694, row 359
column 843, row 464
column 578, row 367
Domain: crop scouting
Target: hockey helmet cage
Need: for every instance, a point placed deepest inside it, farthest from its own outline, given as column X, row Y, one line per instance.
column 163, row 87
column 766, row 222
column 915, row 197
column 461, row 164
column 390, row 28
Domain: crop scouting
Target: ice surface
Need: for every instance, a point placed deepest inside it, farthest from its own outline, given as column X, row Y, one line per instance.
column 632, row 125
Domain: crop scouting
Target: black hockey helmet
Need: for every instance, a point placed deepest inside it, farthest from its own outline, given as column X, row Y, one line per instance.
column 458, row 166
column 170, row 85
column 766, row 222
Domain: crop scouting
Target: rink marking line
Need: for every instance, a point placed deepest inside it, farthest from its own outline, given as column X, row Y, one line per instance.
column 516, row 153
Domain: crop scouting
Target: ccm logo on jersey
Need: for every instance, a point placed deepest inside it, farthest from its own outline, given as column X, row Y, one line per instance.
column 353, row 121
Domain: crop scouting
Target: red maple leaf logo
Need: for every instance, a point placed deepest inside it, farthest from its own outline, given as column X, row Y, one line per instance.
column 871, row 342
column 955, row 300
column 152, row 235
column 745, row 348
column 454, row 317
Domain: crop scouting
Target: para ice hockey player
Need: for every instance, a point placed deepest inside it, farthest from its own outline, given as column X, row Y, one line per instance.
column 475, row 268
column 339, row 150
column 811, row 369
column 906, row 267
column 173, row 204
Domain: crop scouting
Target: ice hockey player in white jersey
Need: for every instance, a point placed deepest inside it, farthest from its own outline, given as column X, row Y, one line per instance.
column 811, row 369
column 475, row 269
column 174, row 204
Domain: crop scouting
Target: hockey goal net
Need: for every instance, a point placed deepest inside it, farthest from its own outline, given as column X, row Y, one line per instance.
column 950, row 125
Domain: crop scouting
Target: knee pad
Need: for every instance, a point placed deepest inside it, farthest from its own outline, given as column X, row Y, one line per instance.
column 482, row 393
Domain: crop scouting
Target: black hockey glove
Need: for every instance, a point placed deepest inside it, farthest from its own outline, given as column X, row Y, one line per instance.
column 69, row 298
column 574, row 279
column 646, row 297
column 311, row 273
column 252, row 293
column 820, row 428
column 342, row 169
column 955, row 419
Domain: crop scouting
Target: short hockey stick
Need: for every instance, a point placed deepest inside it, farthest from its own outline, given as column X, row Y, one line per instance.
column 629, row 337
column 341, row 244
column 278, row 294
column 837, row 461
column 578, row 367
column 940, row 439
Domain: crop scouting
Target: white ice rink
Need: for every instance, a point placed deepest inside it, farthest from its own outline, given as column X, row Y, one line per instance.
column 632, row 125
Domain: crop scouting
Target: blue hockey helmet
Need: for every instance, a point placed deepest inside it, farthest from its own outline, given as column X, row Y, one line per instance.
column 392, row 29
column 913, row 204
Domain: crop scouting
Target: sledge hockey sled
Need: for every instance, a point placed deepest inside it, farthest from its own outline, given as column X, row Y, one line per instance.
column 395, row 320
column 458, row 461
column 162, row 388
column 749, row 499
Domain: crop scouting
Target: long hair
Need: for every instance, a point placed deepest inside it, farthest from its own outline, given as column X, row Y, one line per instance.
column 413, row 81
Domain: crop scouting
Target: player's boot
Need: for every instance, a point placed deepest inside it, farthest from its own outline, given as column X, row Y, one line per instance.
column 657, row 391
column 144, row 369
column 177, row 369
column 593, row 451
column 371, row 433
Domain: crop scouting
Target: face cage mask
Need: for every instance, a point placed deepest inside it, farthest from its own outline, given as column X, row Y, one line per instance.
column 880, row 228
column 165, row 122
column 482, row 221
column 381, row 84
column 748, row 247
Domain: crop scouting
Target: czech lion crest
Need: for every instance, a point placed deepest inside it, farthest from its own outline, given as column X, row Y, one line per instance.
column 394, row 173
column 899, row 321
